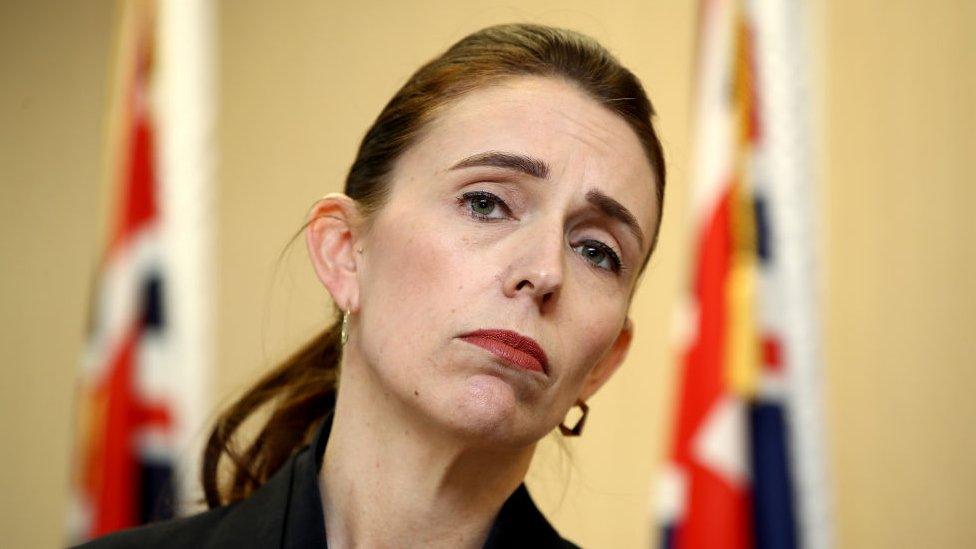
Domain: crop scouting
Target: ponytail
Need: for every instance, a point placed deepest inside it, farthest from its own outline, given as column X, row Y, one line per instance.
column 302, row 391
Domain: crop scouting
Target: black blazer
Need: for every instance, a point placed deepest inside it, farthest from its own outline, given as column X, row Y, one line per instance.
column 286, row 512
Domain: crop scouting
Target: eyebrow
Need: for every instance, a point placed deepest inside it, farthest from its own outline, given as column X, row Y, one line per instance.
column 538, row 169
column 496, row 159
column 616, row 210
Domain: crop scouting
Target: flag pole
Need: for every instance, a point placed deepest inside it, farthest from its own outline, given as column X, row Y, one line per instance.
column 187, row 101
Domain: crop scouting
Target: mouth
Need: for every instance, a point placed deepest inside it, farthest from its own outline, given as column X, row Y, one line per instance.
column 520, row 351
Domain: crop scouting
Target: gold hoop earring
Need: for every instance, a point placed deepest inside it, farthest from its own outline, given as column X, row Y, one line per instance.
column 344, row 334
column 578, row 428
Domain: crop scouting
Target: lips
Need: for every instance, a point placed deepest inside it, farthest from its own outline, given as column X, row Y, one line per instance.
column 513, row 347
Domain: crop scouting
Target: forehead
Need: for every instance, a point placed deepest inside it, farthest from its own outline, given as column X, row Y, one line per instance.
column 586, row 145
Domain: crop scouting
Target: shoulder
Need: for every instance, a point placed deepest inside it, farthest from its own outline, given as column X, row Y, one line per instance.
column 200, row 530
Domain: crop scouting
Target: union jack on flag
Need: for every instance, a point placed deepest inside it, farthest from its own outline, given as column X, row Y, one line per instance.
column 124, row 437
column 746, row 467
column 141, row 393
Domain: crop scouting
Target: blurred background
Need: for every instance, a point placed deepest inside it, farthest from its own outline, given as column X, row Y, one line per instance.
column 296, row 84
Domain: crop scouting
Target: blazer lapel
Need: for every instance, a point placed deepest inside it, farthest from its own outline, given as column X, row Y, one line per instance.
column 520, row 524
column 258, row 520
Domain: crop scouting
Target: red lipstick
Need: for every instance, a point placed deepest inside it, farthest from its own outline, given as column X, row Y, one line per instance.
column 515, row 348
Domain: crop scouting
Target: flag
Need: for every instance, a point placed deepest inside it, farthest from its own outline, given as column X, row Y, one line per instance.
column 124, row 451
column 139, row 398
column 746, row 462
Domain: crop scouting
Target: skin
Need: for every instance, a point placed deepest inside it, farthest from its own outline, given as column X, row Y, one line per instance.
column 431, row 433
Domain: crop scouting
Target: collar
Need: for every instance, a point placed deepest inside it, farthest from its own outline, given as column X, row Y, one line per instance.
column 302, row 524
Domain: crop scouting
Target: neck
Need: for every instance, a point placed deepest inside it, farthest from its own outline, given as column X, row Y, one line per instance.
column 390, row 474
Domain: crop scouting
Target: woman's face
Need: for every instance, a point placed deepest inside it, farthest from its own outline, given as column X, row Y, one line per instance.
column 511, row 213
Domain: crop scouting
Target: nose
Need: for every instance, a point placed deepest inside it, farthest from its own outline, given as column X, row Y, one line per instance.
column 537, row 269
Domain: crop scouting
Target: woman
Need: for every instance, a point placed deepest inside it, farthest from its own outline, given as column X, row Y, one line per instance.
column 492, row 232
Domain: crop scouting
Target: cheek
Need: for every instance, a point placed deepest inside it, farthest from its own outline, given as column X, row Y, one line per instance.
column 403, row 266
column 592, row 340
column 411, row 282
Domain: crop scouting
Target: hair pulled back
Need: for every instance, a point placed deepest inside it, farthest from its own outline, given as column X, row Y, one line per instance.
column 302, row 389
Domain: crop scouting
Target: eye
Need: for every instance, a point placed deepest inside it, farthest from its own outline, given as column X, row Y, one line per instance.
column 482, row 204
column 600, row 254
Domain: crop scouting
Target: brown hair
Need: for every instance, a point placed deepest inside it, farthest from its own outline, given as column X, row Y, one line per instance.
column 302, row 390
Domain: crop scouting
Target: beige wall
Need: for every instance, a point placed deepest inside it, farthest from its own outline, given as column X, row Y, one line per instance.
column 901, row 278
column 300, row 85
column 54, row 59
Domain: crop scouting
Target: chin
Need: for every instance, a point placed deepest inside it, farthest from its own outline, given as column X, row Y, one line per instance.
column 487, row 408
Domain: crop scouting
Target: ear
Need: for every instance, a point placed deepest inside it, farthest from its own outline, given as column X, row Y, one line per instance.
column 609, row 363
column 331, row 235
